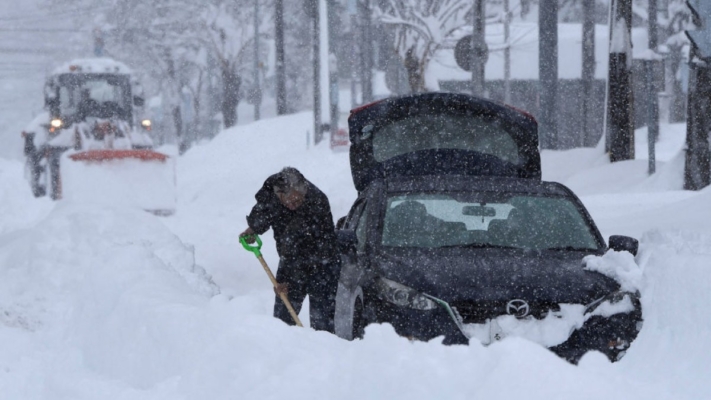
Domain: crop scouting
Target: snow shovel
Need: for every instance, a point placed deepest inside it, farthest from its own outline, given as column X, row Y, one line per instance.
column 255, row 249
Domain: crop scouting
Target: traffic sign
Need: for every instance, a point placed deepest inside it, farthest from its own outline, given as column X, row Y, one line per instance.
column 462, row 52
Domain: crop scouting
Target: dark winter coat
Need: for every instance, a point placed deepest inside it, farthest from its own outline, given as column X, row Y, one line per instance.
column 305, row 233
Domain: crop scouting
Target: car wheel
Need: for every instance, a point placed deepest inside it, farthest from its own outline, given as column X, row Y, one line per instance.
column 34, row 172
column 358, row 320
column 38, row 190
column 55, row 180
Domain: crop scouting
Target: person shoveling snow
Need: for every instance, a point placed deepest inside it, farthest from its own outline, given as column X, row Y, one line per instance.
column 300, row 215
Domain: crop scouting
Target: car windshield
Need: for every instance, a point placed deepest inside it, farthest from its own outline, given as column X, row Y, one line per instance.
column 486, row 221
column 96, row 95
column 444, row 131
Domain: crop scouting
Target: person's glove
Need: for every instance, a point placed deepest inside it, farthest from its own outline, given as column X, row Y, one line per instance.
column 281, row 288
column 248, row 235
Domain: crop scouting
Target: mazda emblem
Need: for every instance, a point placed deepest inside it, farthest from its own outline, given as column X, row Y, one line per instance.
column 518, row 308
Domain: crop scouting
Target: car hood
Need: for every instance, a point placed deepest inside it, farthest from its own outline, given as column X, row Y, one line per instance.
column 496, row 275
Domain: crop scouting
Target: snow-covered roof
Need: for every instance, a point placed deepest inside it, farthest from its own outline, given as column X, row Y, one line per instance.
column 524, row 53
column 95, row 65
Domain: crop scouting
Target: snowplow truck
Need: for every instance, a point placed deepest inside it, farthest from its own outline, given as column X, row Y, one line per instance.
column 94, row 117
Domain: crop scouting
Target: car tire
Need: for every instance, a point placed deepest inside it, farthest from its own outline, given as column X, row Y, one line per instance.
column 38, row 190
column 54, row 178
column 345, row 313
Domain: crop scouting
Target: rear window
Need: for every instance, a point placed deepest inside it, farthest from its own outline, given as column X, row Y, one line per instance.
column 443, row 131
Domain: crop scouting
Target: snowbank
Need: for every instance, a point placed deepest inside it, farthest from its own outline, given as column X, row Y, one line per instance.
column 106, row 302
column 144, row 184
column 96, row 292
column 589, row 171
column 18, row 207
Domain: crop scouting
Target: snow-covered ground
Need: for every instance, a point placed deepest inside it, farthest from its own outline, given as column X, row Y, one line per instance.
column 114, row 303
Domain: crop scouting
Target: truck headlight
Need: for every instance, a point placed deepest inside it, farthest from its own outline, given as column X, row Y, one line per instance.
column 146, row 123
column 56, row 123
column 402, row 295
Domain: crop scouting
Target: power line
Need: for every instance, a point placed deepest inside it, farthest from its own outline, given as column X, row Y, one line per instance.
column 42, row 30
column 49, row 50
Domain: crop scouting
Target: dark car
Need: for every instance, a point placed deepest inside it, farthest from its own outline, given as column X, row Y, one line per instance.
column 477, row 255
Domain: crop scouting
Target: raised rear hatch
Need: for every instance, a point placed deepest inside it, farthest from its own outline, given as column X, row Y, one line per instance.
column 441, row 133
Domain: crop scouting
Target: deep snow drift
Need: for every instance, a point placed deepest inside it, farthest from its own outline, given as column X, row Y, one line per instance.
column 114, row 303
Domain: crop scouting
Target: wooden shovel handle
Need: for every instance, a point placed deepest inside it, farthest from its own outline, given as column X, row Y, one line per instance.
column 282, row 296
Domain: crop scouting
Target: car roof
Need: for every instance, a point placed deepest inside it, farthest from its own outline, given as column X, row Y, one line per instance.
column 475, row 183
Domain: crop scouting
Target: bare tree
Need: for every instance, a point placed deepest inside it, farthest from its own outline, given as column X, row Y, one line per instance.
column 421, row 28
column 229, row 26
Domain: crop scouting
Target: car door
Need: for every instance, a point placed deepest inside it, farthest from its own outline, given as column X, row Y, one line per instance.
column 350, row 294
column 354, row 227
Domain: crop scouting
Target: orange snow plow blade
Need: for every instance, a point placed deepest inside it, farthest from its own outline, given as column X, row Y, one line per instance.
column 136, row 178
column 103, row 155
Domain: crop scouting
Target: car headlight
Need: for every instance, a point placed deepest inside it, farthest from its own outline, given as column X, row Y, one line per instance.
column 403, row 296
column 56, row 123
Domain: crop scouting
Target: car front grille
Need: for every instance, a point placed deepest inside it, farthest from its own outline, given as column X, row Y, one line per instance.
column 476, row 312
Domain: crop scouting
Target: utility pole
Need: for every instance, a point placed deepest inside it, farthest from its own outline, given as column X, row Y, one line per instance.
column 257, row 89
column 507, row 53
column 477, row 62
column 548, row 72
column 280, row 66
column 588, row 73
column 366, row 52
column 316, row 50
column 667, row 98
column 653, row 40
column 652, row 86
column 697, row 168
column 620, row 105
column 353, row 13
column 653, row 37
column 332, row 68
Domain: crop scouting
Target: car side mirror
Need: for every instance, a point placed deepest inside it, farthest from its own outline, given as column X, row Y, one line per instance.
column 347, row 240
column 624, row 243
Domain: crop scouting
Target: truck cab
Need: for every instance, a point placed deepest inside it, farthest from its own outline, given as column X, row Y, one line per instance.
column 90, row 104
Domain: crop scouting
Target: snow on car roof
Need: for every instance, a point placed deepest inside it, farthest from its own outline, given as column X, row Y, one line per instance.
column 95, row 65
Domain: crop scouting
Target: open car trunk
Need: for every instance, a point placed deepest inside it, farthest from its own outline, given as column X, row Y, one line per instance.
column 441, row 133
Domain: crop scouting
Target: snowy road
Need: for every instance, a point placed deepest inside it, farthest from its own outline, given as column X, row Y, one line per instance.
column 107, row 302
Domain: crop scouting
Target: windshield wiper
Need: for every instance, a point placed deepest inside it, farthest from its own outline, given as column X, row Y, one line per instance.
column 570, row 248
column 478, row 246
